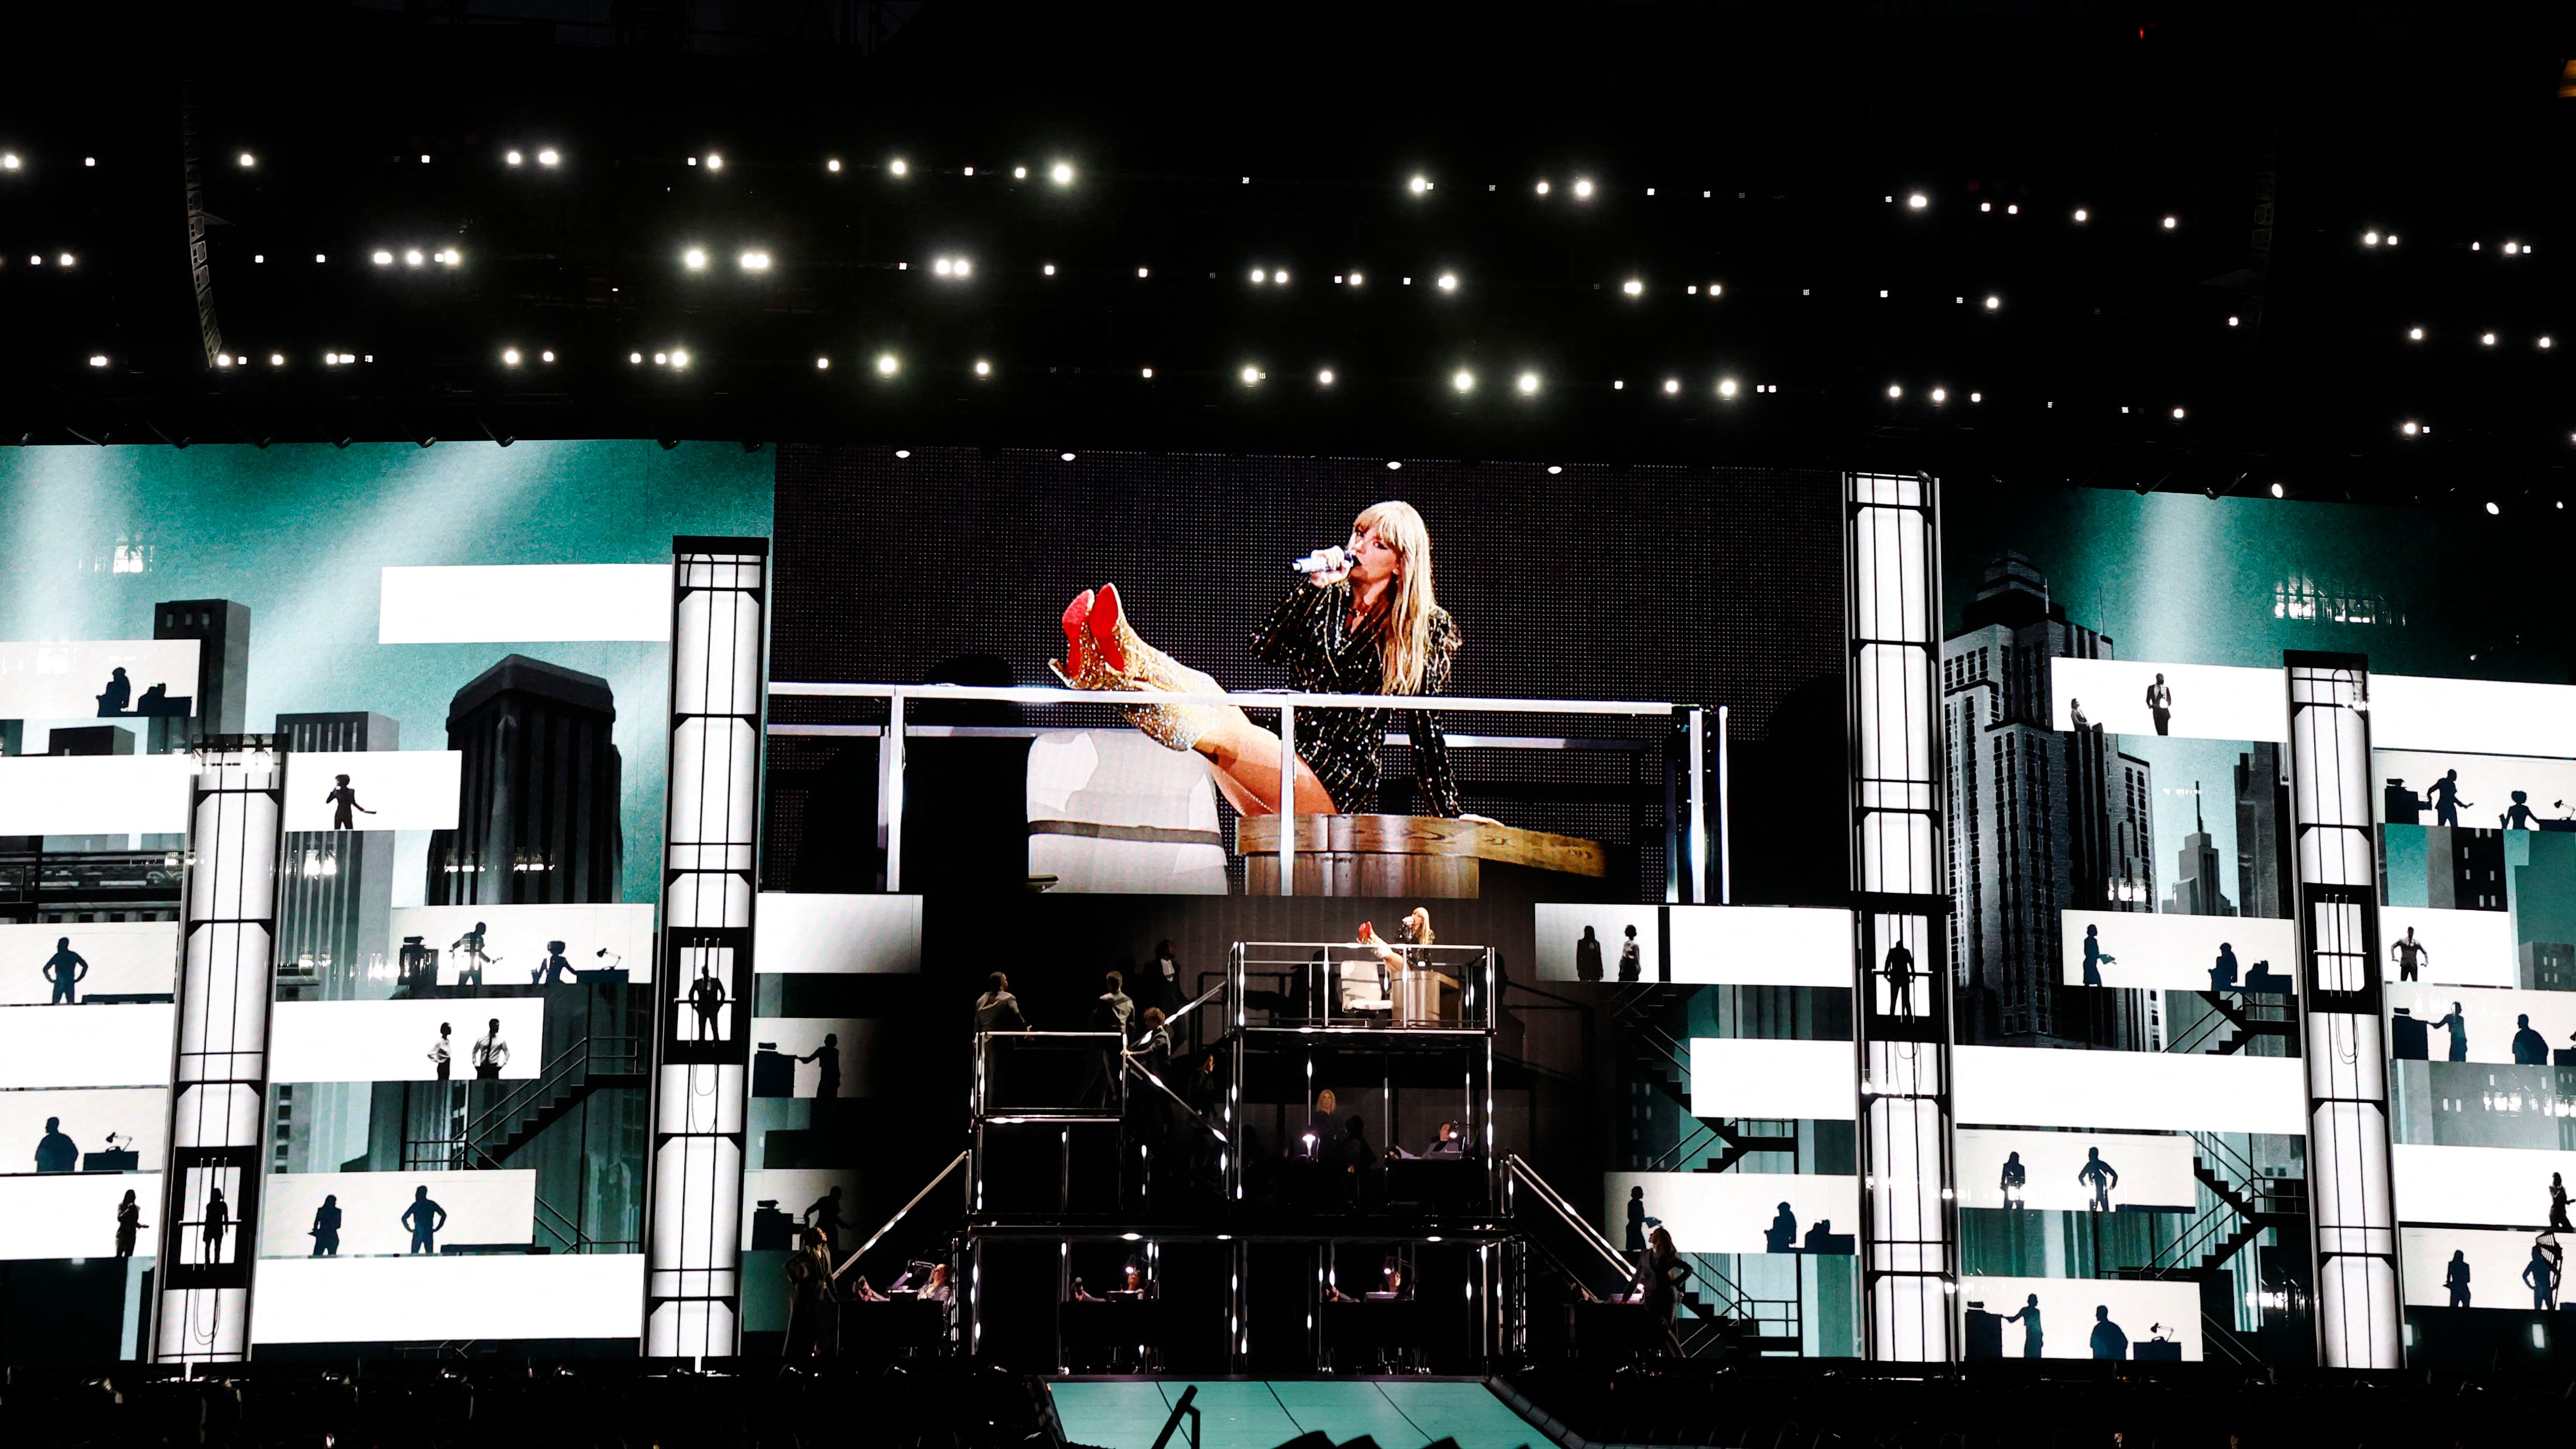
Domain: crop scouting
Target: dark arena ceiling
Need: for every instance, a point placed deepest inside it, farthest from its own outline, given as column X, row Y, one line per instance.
column 2212, row 247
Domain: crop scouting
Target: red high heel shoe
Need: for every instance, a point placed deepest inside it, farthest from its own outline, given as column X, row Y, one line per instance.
column 1121, row 660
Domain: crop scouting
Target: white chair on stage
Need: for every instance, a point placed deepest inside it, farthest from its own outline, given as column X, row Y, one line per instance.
column 1110, row 811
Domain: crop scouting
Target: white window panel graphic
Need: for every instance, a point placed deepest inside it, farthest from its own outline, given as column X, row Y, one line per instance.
column 117, row 958
column 2139, row 1091
column 2478, row 716
column 2478, row 1186
column 2491, row 1026
column 481, row 1209
column 1560, row 931
column 1763, row 1078
column 2493, row 1263
column 436, row 1300
column 838, row 935
column 616, row 937
column 95, row 794
column 77, row 680
column 85, row 1046
column 2149, row 1169
column 73, row 1214
column 1762, row 945
column 2462, row 948
column 2171, row 952
column 524, row 603
column 137, row 1117
column 388, row 789
column 2209, row 701
column 2068, row 1312
column 391, row 1041
column 1737, row 1212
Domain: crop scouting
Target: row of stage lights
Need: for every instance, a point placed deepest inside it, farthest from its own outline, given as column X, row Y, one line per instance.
column 1062, row 173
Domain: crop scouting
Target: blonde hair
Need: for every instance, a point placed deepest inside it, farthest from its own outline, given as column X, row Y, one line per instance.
column 1404, row 636
column 1420, row 921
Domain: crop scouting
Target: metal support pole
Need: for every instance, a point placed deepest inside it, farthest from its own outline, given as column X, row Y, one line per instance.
column 1698, row 729
column 1725, row 830
column 890, row 778
column 1287, row 799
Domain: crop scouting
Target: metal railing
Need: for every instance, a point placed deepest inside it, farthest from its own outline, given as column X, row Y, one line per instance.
column 1695, row 847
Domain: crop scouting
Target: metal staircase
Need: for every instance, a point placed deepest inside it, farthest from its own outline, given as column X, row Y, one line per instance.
column 518, row 1117
column 2245, row 1020
column 2246, row 1207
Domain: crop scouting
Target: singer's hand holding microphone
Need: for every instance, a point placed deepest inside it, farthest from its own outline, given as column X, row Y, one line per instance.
column 1325, row 567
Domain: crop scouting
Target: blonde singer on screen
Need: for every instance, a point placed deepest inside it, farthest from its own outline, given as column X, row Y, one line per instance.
column 1366, row 620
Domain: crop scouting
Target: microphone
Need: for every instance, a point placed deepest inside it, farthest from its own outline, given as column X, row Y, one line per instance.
column 1324, row 561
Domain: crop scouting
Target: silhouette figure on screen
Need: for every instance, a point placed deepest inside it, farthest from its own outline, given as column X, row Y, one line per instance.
column 64, row 969
column 2160, row 704
column 2445, row 796
column 2075, row 716
column 2521, row 816
column 56, row 1152
column 129, row 1223
column 219, row 1220
column 1587, row 957
column 2099, row 1176
column 2095, row 958
column 2558, row 1205
column 2108, row 1340
column 2530, row 1048
column 2458, row 1026
column 706, row 998
column 1630, row 967
column 2540, row 1275
column 2015, row 1178
column 1782, row 1235
column 2222, row 976
column 491, row 1054
column 469, row 947
column 1898, row 968
column 119, row 694
column 1636, row 1220
column 325, row 1231
column 424, row 1218
column 342, row 800
column 825, row 1215
column 2456, row 1278
column 828, row 1071
column 2028, row 1318
column 442, row 1054
column 556, row 969
column 2410, row 955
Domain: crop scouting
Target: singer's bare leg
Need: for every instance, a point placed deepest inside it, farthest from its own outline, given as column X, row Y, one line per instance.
column 1246, row 758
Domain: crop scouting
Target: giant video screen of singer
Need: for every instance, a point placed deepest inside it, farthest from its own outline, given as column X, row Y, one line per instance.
column 1202, row 573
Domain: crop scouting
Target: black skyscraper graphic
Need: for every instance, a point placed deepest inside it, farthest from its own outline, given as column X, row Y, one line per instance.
column 2041, row 821
column 222, row 631
column 537, row 815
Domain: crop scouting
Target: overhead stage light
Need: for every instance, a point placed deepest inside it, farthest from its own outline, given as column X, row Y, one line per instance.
column 1463, row 380
column 1528, row 383
column 898, row 167
column 887, row 365
column 1061, row 173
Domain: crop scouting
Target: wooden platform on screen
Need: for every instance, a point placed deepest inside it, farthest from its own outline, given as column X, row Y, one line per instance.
column 1404, row 855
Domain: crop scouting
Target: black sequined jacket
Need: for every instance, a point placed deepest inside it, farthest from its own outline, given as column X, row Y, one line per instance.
column 1308, row 633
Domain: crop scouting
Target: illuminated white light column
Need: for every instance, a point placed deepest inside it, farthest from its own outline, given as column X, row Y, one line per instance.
column 219, row 1065
column 702, row 1056
column 2349, row 1187
column 1901, row 979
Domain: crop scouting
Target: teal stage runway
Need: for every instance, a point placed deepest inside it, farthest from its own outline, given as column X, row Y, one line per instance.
column 1400, row 1413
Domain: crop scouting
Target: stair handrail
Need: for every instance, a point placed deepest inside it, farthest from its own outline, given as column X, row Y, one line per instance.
column 1557, row 1204
column 851, row 1261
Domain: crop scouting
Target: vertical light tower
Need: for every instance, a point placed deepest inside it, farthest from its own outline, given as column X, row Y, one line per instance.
column 219, row 1068
column 1900, row 971
column 703, row 982
column 2348, row 1157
